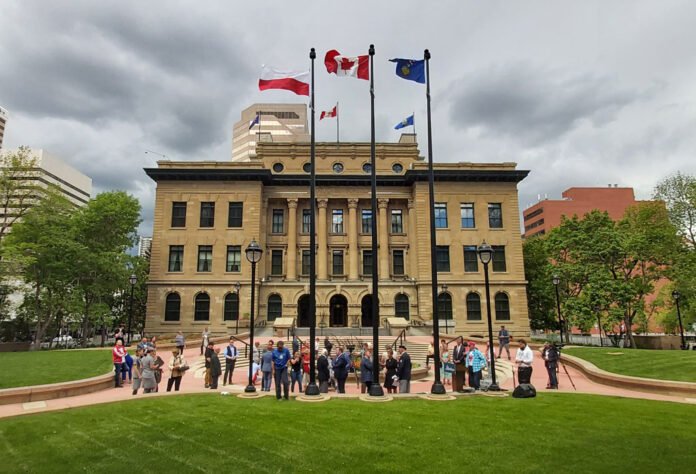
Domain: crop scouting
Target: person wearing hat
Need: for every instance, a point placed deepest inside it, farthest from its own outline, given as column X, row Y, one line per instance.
column 177, row 367
column 475, row 363
column 403, row 370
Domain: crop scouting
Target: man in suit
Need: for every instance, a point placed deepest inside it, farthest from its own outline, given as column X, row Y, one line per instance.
column 209, row 355
column 341, row 368
column 459, row 359
column 323, row 372
column 215, row 369
column 403, row 370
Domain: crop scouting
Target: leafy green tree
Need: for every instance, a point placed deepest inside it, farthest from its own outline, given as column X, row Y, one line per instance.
column 679, row 195
column 18, row 191
column 541, row 299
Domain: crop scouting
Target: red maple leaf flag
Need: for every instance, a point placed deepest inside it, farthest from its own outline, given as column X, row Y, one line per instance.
column 329, row 114
column 358, row 66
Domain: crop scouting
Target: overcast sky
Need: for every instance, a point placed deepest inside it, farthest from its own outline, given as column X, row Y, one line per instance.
column 582, row 93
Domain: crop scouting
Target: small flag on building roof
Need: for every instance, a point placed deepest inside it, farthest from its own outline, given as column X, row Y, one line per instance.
column 408, row 121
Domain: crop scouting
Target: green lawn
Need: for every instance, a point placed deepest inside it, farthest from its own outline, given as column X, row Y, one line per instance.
column 20, row 369
column 212, row 433
column 664, row 365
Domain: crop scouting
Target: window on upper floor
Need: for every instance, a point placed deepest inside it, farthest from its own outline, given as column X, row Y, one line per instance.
column 234, row 217
column 443, row 258
column 495, row 215
column 499, row 264
column 178, row 214
column 276, row 262
column 337, row 221
column 440, row 215
column 467, row 215
column 176, row 258
column 397, row 221
column 366, row 221
column 277, row 223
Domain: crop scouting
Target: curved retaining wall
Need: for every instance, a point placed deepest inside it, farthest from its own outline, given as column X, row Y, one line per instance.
column 56, row 390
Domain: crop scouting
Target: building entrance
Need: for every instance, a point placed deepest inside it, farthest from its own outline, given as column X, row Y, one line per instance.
column 303, row 318
column 366, row 311
column 338, row 307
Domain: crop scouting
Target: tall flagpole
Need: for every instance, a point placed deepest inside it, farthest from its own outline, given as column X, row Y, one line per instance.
column 312, row 388
column 414, row 126
column 258, row 130
column 375, row 387
column 337, row 137
column 437, row 388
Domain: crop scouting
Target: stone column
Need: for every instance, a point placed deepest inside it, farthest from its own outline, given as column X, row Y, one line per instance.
column 353, row 256
column 412, row 243
column 322, row 273
column 291, row 270
column 383, row 234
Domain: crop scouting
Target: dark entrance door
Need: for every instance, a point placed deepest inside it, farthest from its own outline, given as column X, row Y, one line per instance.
column 338, row 307
column 366, row 311
column 303, row 311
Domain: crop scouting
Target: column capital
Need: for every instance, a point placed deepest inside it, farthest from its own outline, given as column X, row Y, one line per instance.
column 353, row 203
column 383, row 203
column 322, row 203
column 292, row 203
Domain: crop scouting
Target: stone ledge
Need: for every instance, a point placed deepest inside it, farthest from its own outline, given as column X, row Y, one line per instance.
column 56, row 390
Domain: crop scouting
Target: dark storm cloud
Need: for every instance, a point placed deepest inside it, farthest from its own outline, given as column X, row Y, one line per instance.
column 535, row 104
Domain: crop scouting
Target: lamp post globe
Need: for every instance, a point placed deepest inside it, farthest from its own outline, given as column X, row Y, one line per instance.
column 485, row 253
column 132, row 280
column 253, row 254
column 677, row 296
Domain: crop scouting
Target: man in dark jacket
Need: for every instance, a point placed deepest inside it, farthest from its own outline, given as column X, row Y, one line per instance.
column 366, row 371
column 550, row 356
column 215, row 369
column 323, row 373
column 341, row 369
column 403, row 370
column 209, row 354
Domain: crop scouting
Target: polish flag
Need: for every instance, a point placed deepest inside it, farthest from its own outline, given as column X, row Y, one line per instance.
column 294, row 81
column 329, row 114
column 347, row 66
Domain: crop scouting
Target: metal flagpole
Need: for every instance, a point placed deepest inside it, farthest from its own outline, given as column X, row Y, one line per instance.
column 337, row 136
column 437, row 388
column 375, row 387
column 414, row 125
column 312, row 388
column 258, row 131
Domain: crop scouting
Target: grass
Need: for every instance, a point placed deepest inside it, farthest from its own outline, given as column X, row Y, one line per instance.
column 663, row 365
column 212, row 433
column 20, row 369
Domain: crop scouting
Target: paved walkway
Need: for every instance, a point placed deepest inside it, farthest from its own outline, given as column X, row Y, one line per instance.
column 193, row 383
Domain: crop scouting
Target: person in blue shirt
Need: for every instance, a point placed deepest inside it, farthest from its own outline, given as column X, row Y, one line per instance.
column 267, row 368
column 475, row 361
column 281, row 358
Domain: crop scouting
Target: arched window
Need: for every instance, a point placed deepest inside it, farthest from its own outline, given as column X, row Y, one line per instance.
column 201, row 311
column 401, row 306
column 231, row 310
column 444, row 306
column 275, row 307
column 473, row 307
column 502, row 307
column 172, row 308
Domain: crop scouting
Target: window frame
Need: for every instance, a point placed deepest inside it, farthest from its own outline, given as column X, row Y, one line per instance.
column 366, row 230
column 367, row 269
column 278, row 221
column 499, row 208
column 337, row 224
column 439, row 206
column 230, row 308
column 334, row 253
column 444, row 305
column 306, row 253
column 402, row 306
column 276, row 262
column 306, row 214
column 277, row 300
column 235, row 206
column 499, row 310
column 207, row 221
column 181, row 258
column 179, row 205
column 403, row 262
column 210, row 261
column 232, row 250
column 439, row 251
column 469, row 302
column 168, row 310
column 466, row 206
column 497, row 260
column 399, row 224
column 470, row 250
column 204, row 310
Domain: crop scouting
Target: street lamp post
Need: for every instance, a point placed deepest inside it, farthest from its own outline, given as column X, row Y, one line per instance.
column 253, row 254
column 132, row 280
column 556, row 281
column 676, row 295
column 599, row 325
column 485, row 253
column 237, row 287
column 444, row 290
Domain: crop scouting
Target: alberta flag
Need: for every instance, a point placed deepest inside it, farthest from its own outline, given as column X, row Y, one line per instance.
column 254, row 122
column 408, row 121
column 410, row 69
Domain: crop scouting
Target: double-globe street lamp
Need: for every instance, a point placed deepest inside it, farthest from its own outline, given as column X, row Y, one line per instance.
column 485, row 253
column 253, row 254
column 676, row 295
column 556, row 280
column 132, row 280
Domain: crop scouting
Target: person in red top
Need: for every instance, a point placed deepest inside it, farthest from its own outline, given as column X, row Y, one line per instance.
column 119, row 358
column 305, row 368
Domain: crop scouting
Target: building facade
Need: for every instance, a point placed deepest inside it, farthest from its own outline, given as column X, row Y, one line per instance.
column 546, row 215
column 144, row 246
column 206, row 213
column 3, row 124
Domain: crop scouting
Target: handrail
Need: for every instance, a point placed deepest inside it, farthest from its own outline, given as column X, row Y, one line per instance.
column 260, row 323
column 400, row 339
column 246, row 344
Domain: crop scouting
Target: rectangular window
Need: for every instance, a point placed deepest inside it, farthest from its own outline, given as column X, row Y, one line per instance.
column 470, row 258
column 207, row 214
column 234, row 258
column 205, row 258
column 337, row 221
column 367, row 262
column 499, row 258
column 306, row 220
column 366, row 221
column 276, row 262
column 397, row 221
column 176, row 258
column 495, row 215
column 440, row 215
column 278, row 224
column 337, row 262
column 305, row 262
column 234, row 217
column 398, row 262
column 178, row 214
column 443, row 260
column 467, row 212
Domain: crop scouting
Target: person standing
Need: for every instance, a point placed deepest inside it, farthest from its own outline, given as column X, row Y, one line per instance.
column 180, row 342
column 176, row 370
column 127, row 368
column 209, row 354
column 281, row 357
column 444, row 358
column 390, row 365
column 143, row 345
column 137, row 371
column 118, row 355
column 366, row 371
column 341, row 367
column 205, row 338
column 256, row 355
column 215, row 369
column 459, row 359
column 524, row 359
column 231, row 355
column 475, row 362
column 306, row 367
column 403, row 370
column 148, row 373
column 328, row 346
column 323, row 373
column 296, row 372
column 503, row 341
column 430, row 356
column 267, row 368
column 550, row 356
column 158, row 367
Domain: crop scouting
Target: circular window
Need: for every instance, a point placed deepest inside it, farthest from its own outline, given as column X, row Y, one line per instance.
column 338, row 168
column 307, row 167
column 397, row 168
column 278, row 167
column 367, row 168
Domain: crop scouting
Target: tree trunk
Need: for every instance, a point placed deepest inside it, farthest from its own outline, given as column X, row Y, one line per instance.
column 629, row 333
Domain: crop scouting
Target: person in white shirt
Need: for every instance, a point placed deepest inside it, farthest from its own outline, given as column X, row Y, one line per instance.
column 524, row 360
column 231, row 354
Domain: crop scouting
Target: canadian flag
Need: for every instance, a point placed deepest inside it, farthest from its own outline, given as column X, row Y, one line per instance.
column 347, row 66
column 294, row 81
column 330, row 113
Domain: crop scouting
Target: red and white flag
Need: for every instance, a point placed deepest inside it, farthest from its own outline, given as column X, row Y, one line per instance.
column 329, row 113
column 294, row 81
column 358, row 66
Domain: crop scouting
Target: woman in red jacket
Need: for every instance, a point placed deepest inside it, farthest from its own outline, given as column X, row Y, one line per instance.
column 119, row 357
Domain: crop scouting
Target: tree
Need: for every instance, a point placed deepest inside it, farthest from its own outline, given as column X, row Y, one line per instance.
column 17, row 189
column 679, row 195
column 541, row 299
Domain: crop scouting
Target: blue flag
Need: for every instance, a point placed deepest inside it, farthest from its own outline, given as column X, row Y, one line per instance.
column 410, row 69
column 408, row 121
column 254, row 122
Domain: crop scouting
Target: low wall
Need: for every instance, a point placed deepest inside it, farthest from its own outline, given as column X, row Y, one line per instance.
column 657, row 342
column 14, row 346
column 56, row 390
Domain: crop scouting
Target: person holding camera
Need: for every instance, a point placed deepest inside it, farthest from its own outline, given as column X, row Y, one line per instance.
column 550, row 355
